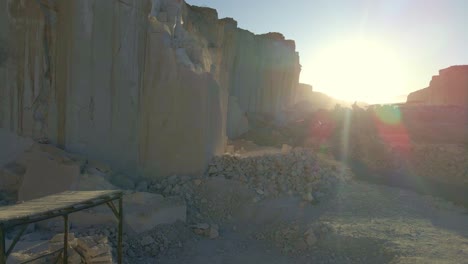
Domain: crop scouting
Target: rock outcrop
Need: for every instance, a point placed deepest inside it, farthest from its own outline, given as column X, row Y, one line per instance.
column 450, row 87
column 142, row 85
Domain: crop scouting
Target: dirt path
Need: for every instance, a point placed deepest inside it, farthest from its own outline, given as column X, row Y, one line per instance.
column 366, row 224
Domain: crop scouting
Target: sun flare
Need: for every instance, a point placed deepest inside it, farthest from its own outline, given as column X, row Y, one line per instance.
column 360, row 70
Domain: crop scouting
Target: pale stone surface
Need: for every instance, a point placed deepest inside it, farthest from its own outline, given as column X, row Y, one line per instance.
column 47, row 172
column 145, row 89
column 11, row 176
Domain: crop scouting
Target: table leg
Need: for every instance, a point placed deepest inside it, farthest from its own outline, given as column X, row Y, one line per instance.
column 65, row 239
column 2, row 246
column 120, row 239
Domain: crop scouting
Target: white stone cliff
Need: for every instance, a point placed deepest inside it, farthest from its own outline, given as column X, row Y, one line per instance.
column 144, row 85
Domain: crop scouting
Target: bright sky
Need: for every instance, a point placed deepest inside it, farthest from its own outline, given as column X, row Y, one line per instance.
column 367, row 50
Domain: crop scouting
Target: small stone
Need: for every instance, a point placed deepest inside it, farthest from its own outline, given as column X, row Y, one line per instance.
column 212, row 170
column 310, row 238
column 319, row 195
column 173, row 179
column 199, row 232
column 308, row 197
column 167, row 190
column 213, row 232
column 202, row 226
column 197, row 182
column 176, row 189
column 147, row 240
column 142, row 186
column 286, row 149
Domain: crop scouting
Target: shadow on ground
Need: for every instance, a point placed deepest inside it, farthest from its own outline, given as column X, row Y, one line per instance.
column 457, row 194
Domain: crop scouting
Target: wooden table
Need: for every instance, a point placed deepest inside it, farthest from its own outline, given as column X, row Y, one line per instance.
column 61, row 204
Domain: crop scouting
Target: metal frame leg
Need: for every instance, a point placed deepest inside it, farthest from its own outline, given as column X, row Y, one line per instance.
column 65, row 239
column 120, row 239
column 15, row 240
column 2, row 246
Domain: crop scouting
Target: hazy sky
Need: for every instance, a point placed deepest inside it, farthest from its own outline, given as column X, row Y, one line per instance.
column 418, row 36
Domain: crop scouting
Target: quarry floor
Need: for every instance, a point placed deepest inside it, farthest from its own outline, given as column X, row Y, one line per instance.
column 358, row 222
column 370, row 223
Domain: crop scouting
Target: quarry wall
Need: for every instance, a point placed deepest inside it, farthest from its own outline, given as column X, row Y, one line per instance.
column 143, row 85
column 450, row 87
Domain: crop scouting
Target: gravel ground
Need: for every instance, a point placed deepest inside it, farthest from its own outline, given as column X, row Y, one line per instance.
column 365, row 224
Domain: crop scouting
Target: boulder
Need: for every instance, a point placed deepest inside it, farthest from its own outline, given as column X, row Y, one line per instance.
column 142, row 212
column 123, row 181
column 48, row 170
column 11, row 176
column 91, row 182
column 94, row 249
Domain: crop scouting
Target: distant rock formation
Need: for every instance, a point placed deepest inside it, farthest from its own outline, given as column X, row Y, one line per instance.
column 304, row 93
column 143, row 85
column 308, row 100
column 450, row 87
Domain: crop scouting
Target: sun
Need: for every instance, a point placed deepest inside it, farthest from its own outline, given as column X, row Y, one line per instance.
column 360, row 70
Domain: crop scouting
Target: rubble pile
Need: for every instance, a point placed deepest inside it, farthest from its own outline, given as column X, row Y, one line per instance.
column 162, row 239
column 295, row 172
column 233, row 180
column 81, row 249
column 207, row 198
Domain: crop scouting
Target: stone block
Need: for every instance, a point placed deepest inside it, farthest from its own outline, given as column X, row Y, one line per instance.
column 142, row 212
column 11, row 176
column 48, row 171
